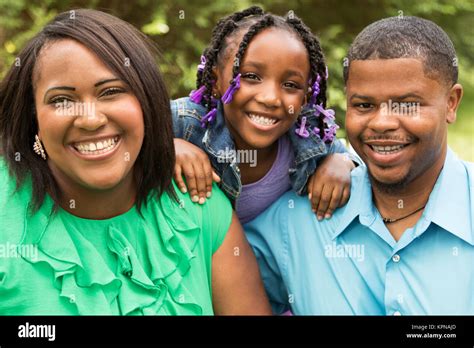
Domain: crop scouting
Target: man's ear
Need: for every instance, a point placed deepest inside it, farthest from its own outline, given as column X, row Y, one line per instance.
column 454, row 99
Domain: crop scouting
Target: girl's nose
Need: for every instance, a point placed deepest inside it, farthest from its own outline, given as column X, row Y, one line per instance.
column 269, row 97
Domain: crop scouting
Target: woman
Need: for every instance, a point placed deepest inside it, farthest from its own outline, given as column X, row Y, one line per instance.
column 87, row 202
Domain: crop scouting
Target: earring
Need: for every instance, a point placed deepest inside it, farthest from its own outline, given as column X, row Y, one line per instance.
column 38, row 147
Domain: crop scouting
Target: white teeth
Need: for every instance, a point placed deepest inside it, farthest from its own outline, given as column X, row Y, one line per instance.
column 96, row 148
column 387, row 149
column 262, row 120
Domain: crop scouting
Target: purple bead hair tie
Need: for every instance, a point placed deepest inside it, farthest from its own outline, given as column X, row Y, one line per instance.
column 234, row 86
column 203, row 64
column 211, row 115
column 330, row 133
column 302, row 131
column 315, row 90
column 329, row 114
column 209, row 118
column 196, row 95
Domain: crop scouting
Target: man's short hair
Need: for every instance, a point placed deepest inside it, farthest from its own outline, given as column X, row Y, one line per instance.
column 407, row 37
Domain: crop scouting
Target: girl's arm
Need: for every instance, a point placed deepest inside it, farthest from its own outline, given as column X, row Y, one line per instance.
column 236, row 284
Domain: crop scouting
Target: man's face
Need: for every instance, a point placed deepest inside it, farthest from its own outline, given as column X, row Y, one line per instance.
column 397, row 118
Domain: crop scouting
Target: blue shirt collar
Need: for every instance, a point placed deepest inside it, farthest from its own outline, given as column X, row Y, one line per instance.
column 450, row 205
column 451, row 202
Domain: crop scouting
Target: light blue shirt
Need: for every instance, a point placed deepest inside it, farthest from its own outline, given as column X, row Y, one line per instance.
column 351, row 264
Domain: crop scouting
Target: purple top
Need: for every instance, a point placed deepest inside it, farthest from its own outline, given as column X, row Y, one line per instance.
column 259, row 195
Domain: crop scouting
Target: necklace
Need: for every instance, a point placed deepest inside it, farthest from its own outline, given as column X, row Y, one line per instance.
column 389, row 221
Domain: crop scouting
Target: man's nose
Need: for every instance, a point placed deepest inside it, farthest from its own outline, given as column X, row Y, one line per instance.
column 383, row 120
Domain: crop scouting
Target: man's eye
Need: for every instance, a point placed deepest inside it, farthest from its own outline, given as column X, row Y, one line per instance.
column 251, row 76
column 111, row 91
column 364, row 106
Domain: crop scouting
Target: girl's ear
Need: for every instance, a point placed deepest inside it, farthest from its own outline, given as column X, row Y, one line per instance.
column 216, row 76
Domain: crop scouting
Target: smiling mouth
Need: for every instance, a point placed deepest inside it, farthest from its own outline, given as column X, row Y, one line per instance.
column 387, row 150
column 97, row 147
column 262, row 120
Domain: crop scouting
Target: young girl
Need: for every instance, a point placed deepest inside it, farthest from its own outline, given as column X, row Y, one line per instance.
column 259, row 114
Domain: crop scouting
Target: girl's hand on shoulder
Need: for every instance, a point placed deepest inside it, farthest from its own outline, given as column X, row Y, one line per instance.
column 193, row 163
column 329, row 187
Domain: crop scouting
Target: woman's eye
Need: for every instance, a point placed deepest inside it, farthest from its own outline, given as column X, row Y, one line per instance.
column 111, row 91
column 60, row 99
column 251, row 76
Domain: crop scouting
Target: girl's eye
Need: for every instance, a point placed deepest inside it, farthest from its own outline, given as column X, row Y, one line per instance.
column 292, row 85
column 111, row 91
column 251, row 76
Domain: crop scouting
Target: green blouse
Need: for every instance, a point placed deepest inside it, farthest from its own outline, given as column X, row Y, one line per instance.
column 60, row 264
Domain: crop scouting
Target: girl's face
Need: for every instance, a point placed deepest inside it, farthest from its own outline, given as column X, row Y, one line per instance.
column 274, row 81
column 90, row 123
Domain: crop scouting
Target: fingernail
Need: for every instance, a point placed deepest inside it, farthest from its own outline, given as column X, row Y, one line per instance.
column 320, row 217
column 195, row 199
column 202, row 200
column 208, row 194
column 183, row 190
column 309, row 196
column 314, row 210
column 327, row 216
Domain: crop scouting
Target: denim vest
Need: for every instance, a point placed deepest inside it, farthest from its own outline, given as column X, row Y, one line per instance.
column 217, row 142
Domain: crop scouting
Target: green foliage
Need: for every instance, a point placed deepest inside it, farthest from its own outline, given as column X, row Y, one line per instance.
column 182, row 29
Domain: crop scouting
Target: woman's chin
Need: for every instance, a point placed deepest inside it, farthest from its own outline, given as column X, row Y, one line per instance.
column 102, row 183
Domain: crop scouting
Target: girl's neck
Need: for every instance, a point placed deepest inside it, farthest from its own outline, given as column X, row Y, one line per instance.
column 264, row 159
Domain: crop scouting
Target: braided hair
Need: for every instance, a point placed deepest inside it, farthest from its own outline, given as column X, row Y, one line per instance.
column 255, row 20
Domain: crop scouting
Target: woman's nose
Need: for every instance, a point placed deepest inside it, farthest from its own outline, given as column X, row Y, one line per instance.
column 89, row 118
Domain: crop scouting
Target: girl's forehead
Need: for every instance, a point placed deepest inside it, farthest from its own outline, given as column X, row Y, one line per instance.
column 267, row 42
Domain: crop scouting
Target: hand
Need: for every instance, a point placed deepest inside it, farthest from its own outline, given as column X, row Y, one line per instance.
column 196, row 167
column 329, row 187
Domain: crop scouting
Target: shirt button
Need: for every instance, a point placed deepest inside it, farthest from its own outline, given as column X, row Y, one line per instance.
column 397, row 313
column 396, row 258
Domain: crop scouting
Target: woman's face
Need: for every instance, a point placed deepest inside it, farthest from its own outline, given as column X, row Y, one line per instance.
column 90, row 123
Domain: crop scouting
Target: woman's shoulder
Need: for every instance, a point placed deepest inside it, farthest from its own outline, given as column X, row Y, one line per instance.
column 213, row 218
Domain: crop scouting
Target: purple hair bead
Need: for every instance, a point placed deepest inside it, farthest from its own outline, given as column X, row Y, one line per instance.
column 329, row 114
column 234, row 86
column 315, row 90
column 302, row 131
column 196, row 95
column 203, row 64
column 209, row 118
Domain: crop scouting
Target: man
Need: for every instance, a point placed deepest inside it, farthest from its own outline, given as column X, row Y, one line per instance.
column 404, row 243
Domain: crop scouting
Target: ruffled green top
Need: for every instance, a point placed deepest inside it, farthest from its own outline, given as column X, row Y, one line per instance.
column 60, row 264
